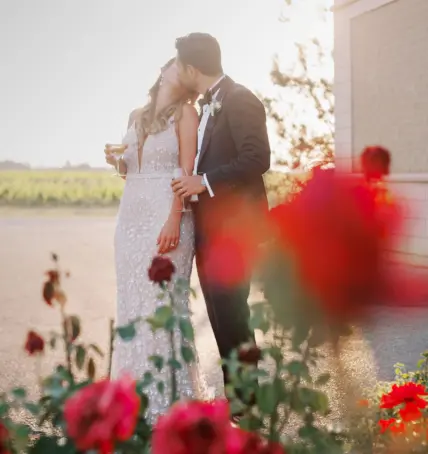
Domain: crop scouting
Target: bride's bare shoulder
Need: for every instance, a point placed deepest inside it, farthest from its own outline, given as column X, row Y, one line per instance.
column 189, row 114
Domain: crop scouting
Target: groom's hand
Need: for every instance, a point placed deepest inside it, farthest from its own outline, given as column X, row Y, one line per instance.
column 188, row 186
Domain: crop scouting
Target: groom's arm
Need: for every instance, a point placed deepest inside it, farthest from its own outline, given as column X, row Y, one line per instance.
column 247, row 120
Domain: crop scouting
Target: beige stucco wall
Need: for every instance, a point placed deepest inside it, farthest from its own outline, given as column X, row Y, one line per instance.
column 381, row 89
column 389, row 73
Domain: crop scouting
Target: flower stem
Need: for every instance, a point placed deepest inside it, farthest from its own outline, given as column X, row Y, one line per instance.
column 67, row 342
column 174, row 396
column 111, row 348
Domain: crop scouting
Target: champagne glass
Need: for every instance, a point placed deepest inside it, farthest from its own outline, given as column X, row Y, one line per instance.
column 178, row 173
column 117, row 150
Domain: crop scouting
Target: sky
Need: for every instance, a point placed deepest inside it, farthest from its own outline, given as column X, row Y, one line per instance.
column 72, row 70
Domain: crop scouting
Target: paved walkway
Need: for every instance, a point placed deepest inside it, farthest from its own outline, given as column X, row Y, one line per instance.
column 85, row 246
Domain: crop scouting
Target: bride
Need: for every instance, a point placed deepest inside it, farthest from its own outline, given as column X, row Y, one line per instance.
column 161, row 137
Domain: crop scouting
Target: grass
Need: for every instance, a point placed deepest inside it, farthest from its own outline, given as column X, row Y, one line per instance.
column 57, row 188
column 85, row 189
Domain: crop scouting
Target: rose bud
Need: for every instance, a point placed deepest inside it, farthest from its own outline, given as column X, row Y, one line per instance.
column 35, row 343
column 161, row 270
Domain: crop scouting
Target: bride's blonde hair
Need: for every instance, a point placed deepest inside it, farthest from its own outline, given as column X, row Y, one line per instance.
column 147, row 122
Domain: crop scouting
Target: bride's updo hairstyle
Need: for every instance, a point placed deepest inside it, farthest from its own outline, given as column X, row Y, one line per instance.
column 147, row 122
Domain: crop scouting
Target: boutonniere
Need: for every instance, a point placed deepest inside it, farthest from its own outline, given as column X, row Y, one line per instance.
column 215, row 107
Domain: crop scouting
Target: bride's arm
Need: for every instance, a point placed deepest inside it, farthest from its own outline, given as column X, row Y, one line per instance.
column 187, row 133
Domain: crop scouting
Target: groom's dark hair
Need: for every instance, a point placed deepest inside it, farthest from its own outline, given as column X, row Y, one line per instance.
column 201, row 51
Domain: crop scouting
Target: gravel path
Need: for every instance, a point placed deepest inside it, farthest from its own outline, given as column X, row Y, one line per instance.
column 85, row 247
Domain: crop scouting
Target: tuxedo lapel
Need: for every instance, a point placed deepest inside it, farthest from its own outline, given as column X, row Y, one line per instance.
column 225, row 85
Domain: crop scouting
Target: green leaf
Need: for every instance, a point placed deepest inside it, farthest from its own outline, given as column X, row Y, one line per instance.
column 323, row 379
column 80, row 356
column 52, row 342
column 147, row 380
column 4, row 408
column 163, row 318
column 127, row 332
column 160, row 387
column 420, row 363
column 73, row 327
column 236, row 407
column 258, row 320
column 170, row 324
column 314, row 399
column 175, row 364
column 163, row 313
column 97, row 350
column 157, row 361
column 297, row 369
column 91, row 369
column 187, row 354
column 267, row 398
column 19, row 393
column 186, row 329
column 32, row 408
column 52, row 445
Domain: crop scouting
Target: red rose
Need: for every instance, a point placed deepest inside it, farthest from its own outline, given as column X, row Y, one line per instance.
column 250, row 354
column 102, row 413
column 34, row 343
column 408, row 394
column 192, row 428
column 161, row 270
column 242, row 442
column 4, row 439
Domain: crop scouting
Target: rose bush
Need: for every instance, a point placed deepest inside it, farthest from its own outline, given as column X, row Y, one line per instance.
column 322, row 267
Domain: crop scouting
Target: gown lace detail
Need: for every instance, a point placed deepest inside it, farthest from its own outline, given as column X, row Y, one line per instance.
column 144, row 208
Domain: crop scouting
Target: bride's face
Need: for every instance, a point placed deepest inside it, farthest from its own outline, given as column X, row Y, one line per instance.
column 170, row 78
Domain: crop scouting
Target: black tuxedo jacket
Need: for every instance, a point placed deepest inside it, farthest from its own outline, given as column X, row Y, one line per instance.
column 235, row 151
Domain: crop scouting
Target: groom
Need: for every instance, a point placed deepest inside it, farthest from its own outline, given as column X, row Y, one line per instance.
column 233, row 153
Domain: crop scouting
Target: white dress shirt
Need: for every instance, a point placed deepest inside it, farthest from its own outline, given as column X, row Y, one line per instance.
column 206, row 112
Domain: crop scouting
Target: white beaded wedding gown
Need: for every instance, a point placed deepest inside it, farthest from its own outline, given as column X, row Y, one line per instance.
column 144, row 208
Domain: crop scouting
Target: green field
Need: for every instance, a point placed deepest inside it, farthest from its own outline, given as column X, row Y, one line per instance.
column 72, row 188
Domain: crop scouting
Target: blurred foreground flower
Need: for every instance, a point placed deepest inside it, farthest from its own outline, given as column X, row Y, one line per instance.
column 333, row 233
column 242, row 442
column 102, row 413
column 193, row 428
column 337, row 232
column 34, row 343
column 4, row 439
column 234, row 232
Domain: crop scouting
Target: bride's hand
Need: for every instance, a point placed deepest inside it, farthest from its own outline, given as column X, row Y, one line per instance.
column 111, row 159
column 170, row 234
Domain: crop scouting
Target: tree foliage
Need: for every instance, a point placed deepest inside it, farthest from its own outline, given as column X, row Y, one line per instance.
column 303, row 107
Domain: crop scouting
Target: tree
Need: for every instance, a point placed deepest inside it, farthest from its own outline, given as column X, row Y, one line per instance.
column 303, row 109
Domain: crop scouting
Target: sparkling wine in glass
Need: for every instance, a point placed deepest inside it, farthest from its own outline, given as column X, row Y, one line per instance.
column 178, row 173
column 117, row 150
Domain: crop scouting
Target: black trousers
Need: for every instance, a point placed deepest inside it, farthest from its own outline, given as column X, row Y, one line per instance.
column 227, row 307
